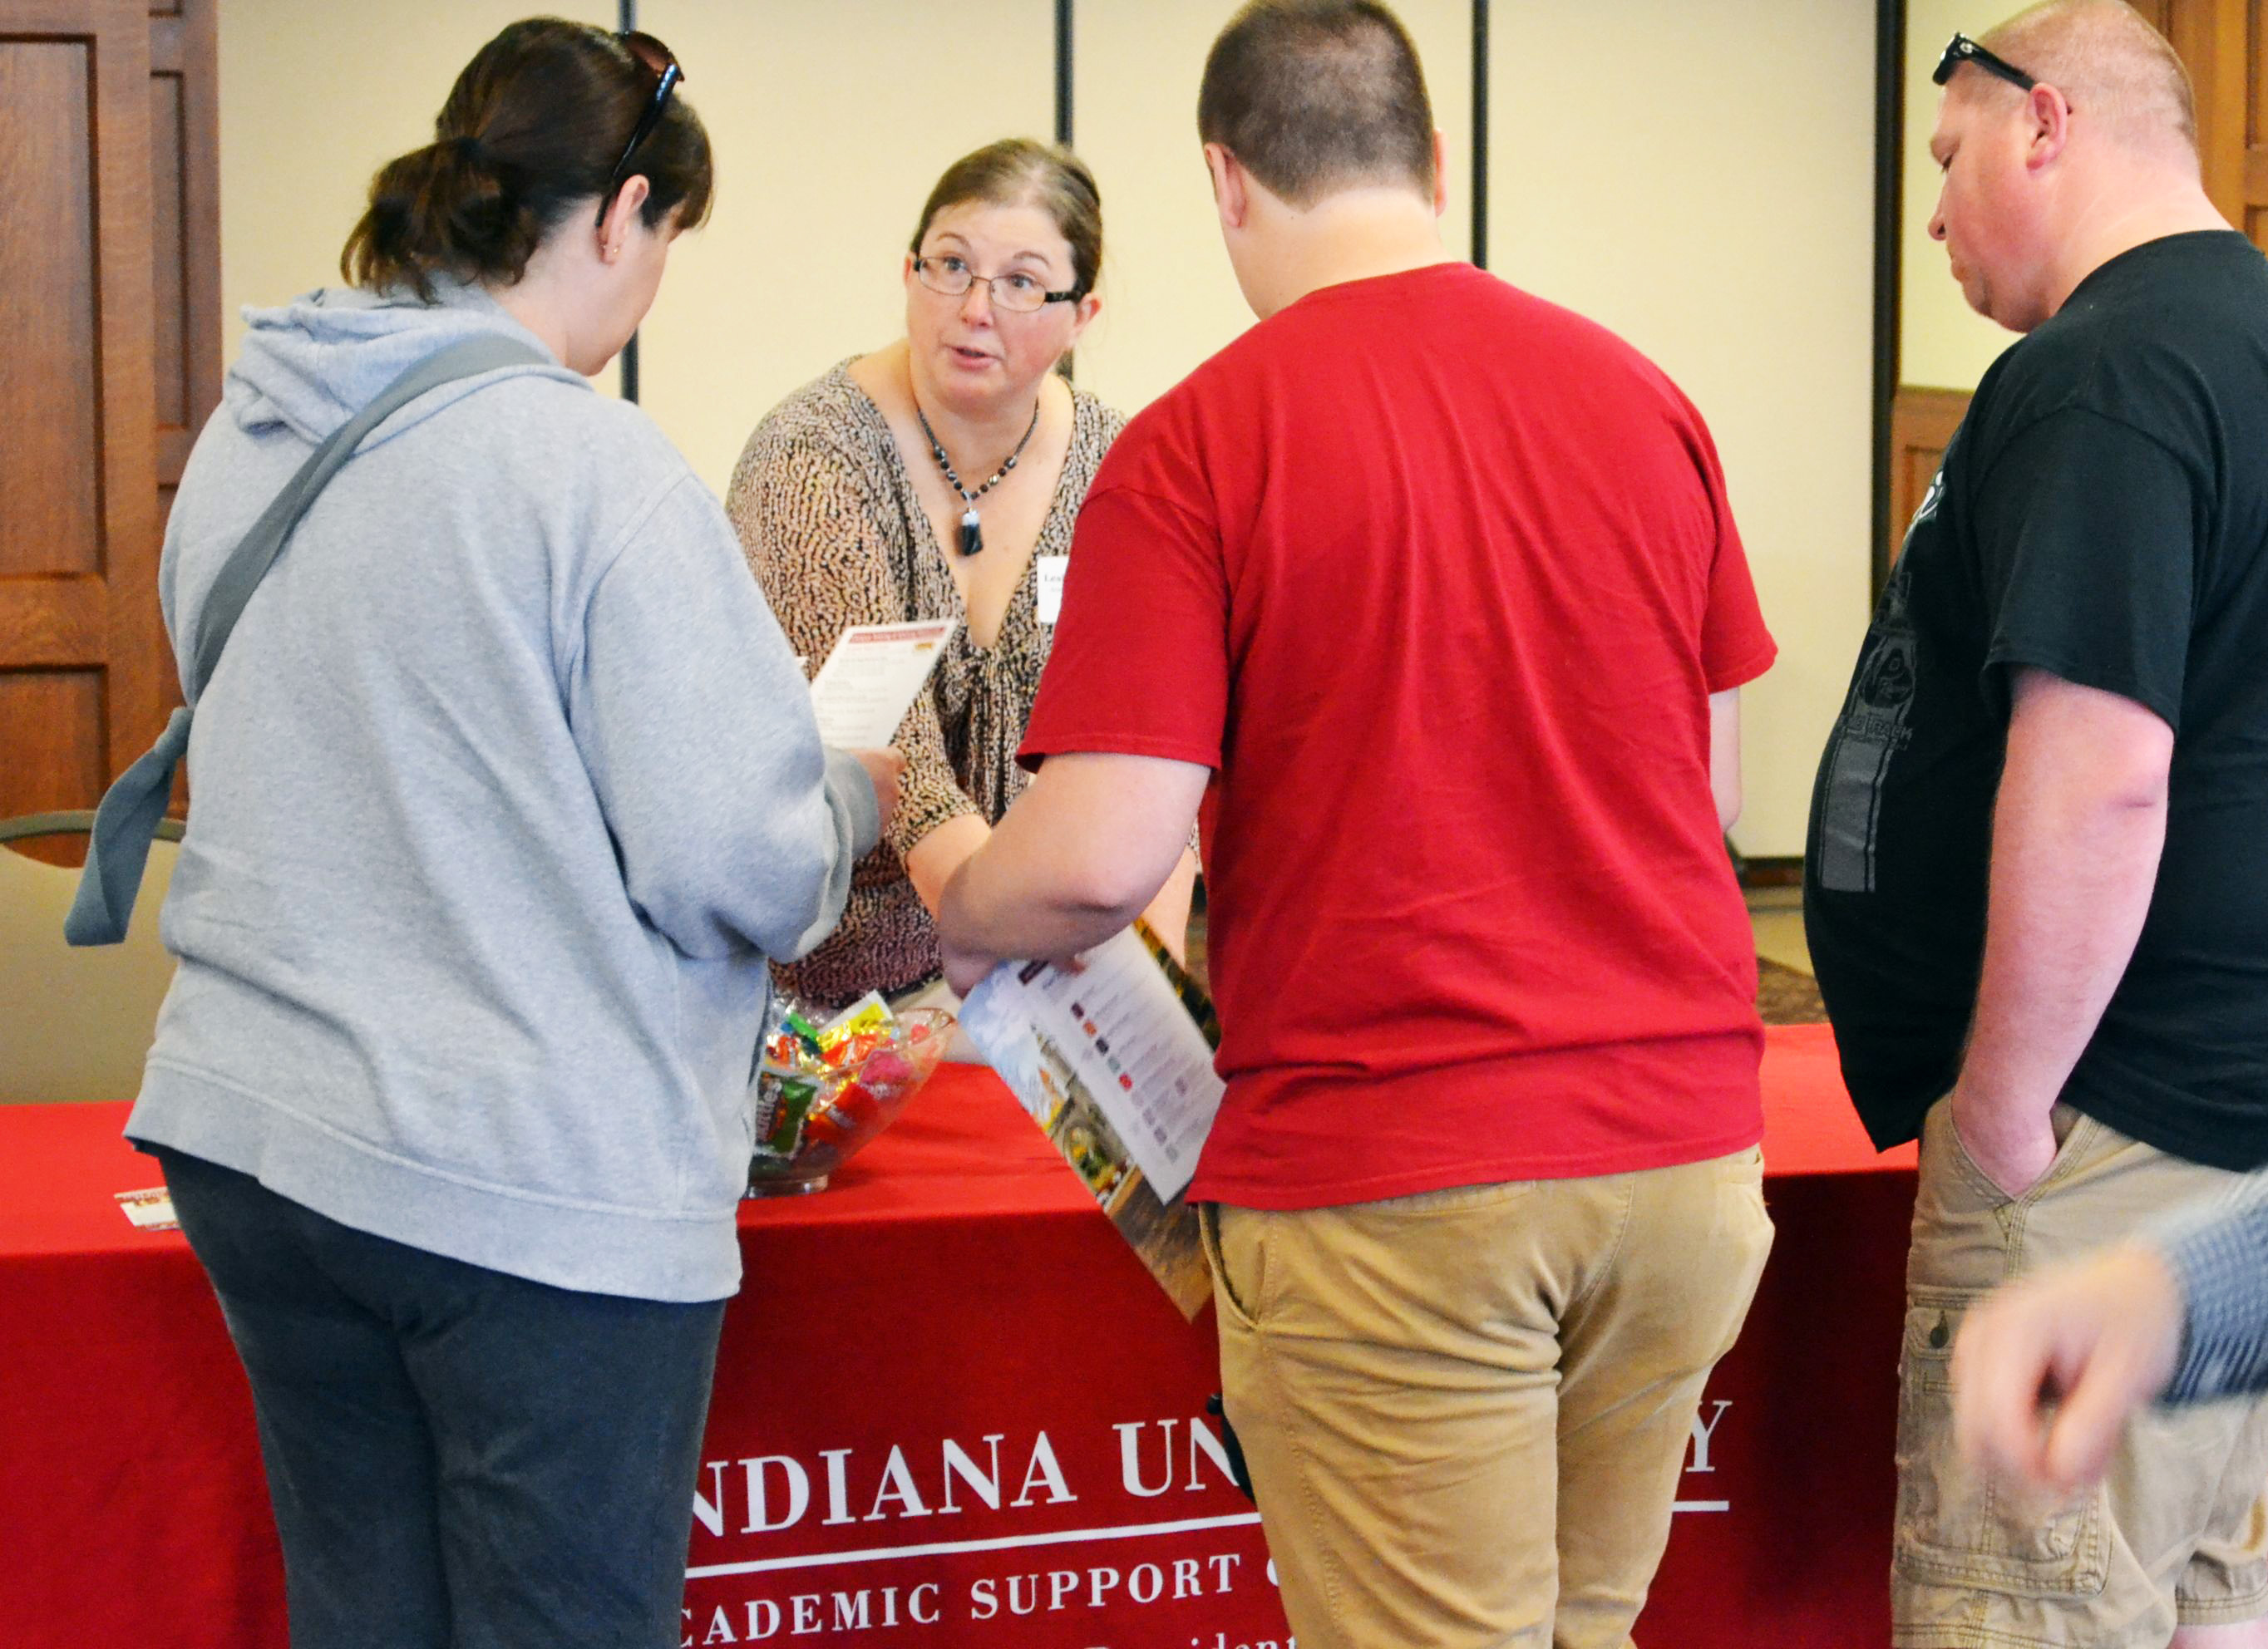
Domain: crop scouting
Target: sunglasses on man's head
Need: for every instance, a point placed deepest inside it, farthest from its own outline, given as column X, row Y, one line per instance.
column 1964, row 50
column 661, row 62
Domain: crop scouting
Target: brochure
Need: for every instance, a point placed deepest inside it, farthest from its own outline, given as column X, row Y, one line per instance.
column 872, row 678
column 1114, row 1061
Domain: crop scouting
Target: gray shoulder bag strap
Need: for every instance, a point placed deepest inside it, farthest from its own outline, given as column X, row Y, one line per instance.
column 131, row 810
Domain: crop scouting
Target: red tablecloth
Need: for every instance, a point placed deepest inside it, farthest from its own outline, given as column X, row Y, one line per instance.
column 951, row 1410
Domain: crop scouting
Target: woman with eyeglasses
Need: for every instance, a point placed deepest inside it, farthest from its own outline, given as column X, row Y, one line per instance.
column 939, row 477
column 507, row 790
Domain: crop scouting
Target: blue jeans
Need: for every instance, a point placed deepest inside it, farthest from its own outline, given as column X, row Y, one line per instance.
column 458, row 1458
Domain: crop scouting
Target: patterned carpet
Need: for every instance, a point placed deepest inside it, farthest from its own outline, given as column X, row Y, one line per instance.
column 1787, row 996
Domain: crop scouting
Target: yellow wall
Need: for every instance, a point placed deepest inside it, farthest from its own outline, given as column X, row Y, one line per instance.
column 1653, row 166
column 1647, row 169
column 313, row 99
column 831, row 123
column 1942, row 342
column 1170, row 299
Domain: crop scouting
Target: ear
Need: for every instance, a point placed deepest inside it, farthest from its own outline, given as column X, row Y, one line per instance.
column 1441, row 173
column 1232, row 192
column 621, row 214
column 2048, row 116
column 1082, row 315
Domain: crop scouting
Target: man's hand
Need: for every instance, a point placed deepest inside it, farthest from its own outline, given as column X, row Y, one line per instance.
column 2012, row 1148
column 885, row 767
column 2101, row 1335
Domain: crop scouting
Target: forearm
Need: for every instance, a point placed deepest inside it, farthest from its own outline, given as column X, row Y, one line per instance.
column 2068, row 898
column 1038, row 904
column 2077, row 835
column 1168, row 913
column 931, row 861
column 1080, row 855
column 1724, row 755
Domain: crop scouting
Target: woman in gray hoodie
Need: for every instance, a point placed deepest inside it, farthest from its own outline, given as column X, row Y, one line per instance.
column 507, row 789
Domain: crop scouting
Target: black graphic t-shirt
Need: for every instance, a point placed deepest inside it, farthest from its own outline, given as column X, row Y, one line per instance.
column 2101, row 514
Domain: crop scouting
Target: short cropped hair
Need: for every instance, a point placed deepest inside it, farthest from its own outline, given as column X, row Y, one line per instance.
column 2109, row 61
column 1316, row 96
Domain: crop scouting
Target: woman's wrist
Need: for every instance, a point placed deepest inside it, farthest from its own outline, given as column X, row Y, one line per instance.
column 931, row 860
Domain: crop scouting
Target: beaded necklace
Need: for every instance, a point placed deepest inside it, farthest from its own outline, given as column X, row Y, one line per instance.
column 972, row 531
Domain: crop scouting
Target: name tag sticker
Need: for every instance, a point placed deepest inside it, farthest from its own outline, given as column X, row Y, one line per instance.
column 1048, row 592
column 150, row 1211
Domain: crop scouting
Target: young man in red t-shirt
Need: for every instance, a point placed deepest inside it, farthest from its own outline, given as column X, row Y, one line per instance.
column 1428, row 593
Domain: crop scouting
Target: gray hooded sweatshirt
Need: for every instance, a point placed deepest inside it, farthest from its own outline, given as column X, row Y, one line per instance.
column 506, row 788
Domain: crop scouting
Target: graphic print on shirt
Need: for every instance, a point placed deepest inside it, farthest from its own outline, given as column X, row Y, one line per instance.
column 1871, row 730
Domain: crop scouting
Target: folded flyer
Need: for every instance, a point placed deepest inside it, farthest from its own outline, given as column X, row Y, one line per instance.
column 872, row 679
column 1115, row 1063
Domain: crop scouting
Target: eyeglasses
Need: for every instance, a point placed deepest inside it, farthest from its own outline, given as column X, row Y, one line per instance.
column 661, row 62
column 1961, row 50
column 1026, row 294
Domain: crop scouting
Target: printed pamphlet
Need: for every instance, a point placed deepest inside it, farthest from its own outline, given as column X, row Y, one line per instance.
column 872, row 679
column 1114, row 1061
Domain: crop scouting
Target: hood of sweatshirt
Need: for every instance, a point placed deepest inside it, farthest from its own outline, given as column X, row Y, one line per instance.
column 313, row 363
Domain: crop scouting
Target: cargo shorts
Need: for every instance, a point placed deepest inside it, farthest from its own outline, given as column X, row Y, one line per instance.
column 2176, row 1534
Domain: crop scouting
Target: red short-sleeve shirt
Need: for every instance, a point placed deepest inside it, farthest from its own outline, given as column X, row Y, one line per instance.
column 1438, row 579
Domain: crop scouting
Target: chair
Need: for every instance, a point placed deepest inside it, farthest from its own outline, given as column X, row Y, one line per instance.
column 75, row 1024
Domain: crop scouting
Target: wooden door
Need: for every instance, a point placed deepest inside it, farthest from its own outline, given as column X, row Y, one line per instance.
column 109, row 360
column 2222, row 42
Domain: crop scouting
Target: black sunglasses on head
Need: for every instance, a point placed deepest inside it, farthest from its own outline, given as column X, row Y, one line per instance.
column 661, row 62
column 1964, row 50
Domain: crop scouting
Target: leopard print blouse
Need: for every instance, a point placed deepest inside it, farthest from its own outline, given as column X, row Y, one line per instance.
column 836, row 536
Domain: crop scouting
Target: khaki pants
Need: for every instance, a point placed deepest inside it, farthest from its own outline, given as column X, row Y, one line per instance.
column 2177, row 1534
column 1466, row 1411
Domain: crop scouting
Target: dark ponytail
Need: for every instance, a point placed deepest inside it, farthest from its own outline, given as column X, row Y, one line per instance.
column 531, row 131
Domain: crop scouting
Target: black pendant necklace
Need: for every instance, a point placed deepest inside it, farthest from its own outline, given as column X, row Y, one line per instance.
column 972, row 531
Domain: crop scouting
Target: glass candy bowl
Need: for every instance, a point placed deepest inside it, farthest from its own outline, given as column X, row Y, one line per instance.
column 853, row 1104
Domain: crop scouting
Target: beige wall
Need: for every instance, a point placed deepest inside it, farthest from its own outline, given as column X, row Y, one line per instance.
column 1645, row 170
column 313, row 99
column 1170, row 299
column 831, row 123
column 1651, row 169
column 1942, row 342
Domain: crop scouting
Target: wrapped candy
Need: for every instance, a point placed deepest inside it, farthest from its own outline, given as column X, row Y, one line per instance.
column 822, row 1091
column 857, row 1032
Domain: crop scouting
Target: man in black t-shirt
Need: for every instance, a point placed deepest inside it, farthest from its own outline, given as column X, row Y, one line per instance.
column 2031, row 886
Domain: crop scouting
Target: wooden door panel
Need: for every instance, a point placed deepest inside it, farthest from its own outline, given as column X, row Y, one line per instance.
column 1922, row 422
column 185, row 170
column 2255, row 176
column 55, row 721
column 169, row 255
column 50, row 387
column 2220, row 42
column 109, row 362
